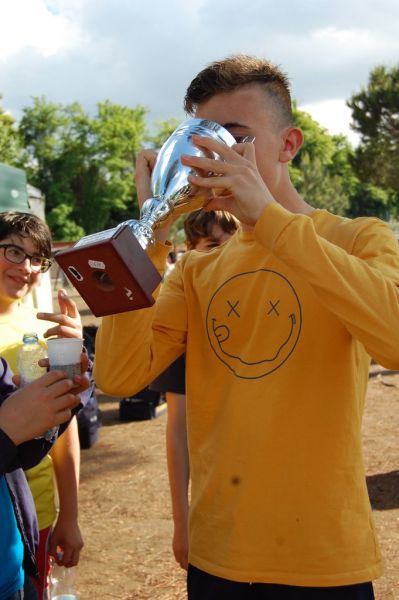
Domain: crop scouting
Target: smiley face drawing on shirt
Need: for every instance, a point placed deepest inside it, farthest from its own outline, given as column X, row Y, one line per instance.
column 253, row 322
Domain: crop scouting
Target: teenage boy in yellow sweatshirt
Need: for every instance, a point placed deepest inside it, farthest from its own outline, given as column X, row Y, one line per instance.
column 278, row 326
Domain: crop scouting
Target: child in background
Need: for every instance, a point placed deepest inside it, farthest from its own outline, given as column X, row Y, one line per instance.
column 25, row 252
column 204, row 231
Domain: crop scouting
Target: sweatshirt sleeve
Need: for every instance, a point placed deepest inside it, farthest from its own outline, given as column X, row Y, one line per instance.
column 26, row 455
column 8, row 450
column 8, row 453
column 356, row 277
column 132, row 348
column 6, row 384
column 30, row 453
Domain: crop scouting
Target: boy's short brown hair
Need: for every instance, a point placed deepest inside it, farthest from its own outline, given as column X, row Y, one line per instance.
column 199, row 224
column 238, row 71
column 26, row 225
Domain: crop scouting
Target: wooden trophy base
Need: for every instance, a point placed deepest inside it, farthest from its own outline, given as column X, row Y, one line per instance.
column 111, row 271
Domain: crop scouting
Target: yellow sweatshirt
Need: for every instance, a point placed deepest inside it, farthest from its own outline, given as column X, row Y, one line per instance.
column 278, row 327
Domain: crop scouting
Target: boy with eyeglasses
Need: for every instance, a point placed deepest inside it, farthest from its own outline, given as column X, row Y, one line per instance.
column 25, row 253
column 17, row 255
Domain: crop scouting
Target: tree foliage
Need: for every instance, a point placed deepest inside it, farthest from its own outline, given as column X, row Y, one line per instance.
column 164, row 129
column 368, row 200
column 10, row 145
column 84, row 163
column 375, row 114
column 320, row 169
column 61, row 224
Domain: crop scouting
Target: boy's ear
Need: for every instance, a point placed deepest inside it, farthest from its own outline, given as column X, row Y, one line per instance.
column 292, row 140
column 189, row 245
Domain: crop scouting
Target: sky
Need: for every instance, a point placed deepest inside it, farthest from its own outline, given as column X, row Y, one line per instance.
column 141, row 52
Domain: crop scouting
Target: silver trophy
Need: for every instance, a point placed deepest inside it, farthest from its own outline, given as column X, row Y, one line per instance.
column 112, row 270
column 172, row 193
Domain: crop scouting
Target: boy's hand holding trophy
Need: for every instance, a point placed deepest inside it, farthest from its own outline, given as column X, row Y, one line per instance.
column 111, row 270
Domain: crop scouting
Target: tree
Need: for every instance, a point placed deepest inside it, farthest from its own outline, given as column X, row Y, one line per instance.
column 164, row 129
column 61, row 225
column 375, row 115
column 83, row 165
column 320, row 170
column 10, row 146
column 367, row 200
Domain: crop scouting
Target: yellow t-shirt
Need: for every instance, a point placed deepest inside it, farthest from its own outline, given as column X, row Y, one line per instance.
column 40, row 478
column 41, row 483
column 278, row 326
column 12, row 328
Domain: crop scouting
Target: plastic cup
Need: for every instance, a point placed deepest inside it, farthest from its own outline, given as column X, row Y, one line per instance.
column 64, row 355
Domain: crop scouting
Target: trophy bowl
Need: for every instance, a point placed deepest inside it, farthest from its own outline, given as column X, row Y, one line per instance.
column 111, row 269
column 171, row 190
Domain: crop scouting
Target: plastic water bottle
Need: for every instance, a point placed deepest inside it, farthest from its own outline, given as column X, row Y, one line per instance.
column 29, row 354
column 63, row 583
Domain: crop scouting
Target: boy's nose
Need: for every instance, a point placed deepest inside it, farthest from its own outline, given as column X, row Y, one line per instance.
column 26, row 265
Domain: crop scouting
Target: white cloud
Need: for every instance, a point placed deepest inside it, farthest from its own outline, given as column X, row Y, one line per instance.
column 342, row 36
column 35, row 25
column 354, row 42
column 334, row 115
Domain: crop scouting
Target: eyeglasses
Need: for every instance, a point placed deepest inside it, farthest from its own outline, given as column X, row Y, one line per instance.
column 17, row 255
